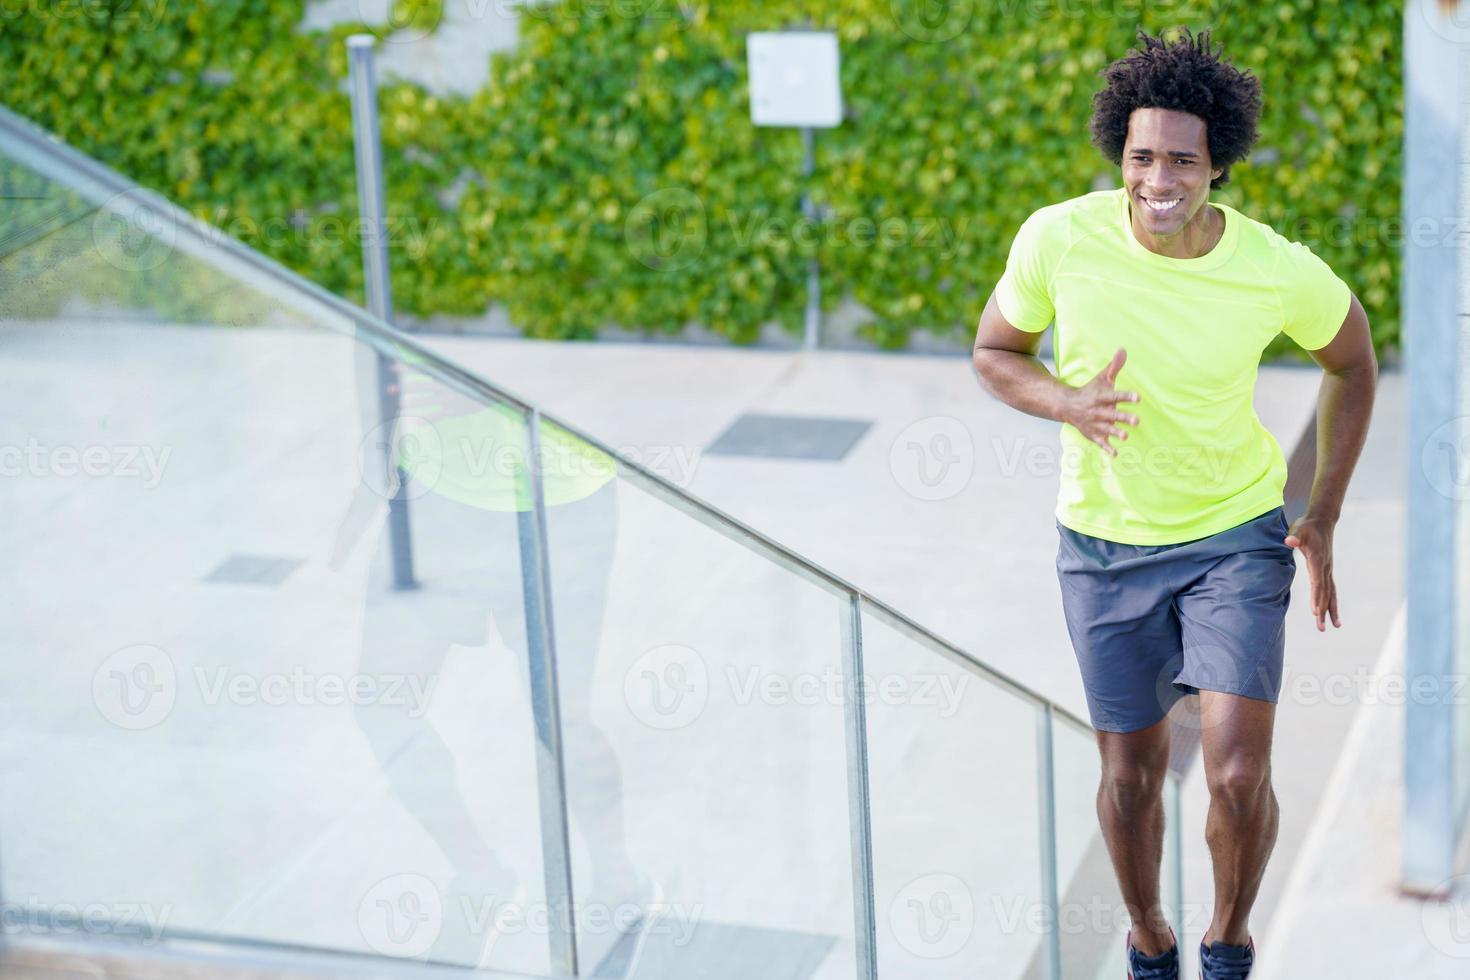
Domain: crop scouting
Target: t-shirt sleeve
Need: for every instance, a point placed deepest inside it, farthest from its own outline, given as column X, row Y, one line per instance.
column 1024, row 291
column 1314, row 301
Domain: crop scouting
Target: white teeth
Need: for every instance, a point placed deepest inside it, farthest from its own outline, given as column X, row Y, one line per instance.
column 1162, row 205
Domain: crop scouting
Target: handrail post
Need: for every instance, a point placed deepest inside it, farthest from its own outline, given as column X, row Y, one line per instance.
column 1173, row 821
column 859, row 808
column 1047, row 827
column 546, row 710
column 367, row 150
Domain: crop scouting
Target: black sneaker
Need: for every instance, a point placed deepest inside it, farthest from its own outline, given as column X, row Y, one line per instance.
column 1164, row 966
column 1221, row 961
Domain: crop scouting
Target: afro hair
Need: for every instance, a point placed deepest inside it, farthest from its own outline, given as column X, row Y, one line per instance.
column 1187, row 76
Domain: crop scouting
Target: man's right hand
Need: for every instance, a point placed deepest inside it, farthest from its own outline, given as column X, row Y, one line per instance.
column 1093, row 408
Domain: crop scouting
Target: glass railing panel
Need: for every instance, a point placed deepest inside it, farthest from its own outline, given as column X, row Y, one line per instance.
column 323, row 720
column 76, row 251
column 956, row 845
column 700, row 698
column 219, row 717
column 1092, row 919
column 1090, row 914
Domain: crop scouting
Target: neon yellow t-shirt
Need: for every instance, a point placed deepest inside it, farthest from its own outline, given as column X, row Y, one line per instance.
column 1199, row 461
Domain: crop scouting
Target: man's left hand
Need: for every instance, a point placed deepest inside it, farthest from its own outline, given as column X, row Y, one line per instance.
column 1313, row 535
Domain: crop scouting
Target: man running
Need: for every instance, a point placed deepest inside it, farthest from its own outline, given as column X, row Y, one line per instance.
column 1175, row 556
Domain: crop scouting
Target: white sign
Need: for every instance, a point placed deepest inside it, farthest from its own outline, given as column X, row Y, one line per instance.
column 794, row 79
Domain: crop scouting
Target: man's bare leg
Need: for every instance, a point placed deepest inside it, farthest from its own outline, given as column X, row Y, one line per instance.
column 1244, row 816
column 1130, row 810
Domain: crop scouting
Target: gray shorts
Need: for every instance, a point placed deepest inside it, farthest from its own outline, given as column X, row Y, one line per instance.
column 1153, row 623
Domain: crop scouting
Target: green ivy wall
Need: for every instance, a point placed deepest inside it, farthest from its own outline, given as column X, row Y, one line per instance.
column 609, row 173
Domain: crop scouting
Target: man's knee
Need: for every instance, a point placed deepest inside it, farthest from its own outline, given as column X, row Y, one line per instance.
column 1135, row 765
column 1240, row 781
column 1134, row 785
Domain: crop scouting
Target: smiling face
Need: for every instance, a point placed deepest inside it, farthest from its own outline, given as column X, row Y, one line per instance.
column 1166, row 171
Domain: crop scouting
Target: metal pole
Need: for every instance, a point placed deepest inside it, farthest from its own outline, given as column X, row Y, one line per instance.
column 813, row 269
column 367, row 150
column 859, row 807
column 546, row 712
column 1173, row 821
column 1434, row 119
column 1047, row 813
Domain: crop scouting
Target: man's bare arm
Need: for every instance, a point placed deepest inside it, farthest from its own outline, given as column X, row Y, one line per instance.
column 1344, row 408
column 1005, row 359
column 1006, row 363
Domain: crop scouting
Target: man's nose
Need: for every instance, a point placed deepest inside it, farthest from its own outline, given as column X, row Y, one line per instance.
column 1159, row 177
